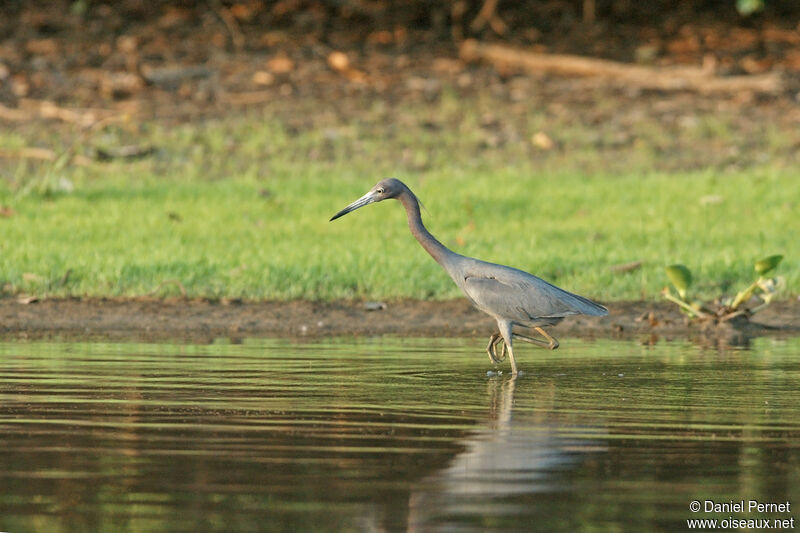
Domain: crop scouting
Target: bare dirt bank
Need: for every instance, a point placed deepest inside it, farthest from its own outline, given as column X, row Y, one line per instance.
column 151, row 319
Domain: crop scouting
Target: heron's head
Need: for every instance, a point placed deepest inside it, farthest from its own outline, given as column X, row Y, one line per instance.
column 383, row 190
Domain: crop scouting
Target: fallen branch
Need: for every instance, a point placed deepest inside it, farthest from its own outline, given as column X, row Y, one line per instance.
column 30, row 152
column 129, row 152
column 488, row 15
column 664, row 79
column 626, row 267
column 172, row 77
column 13, row 115
column 237, row 37
column 84, row 117
column 248, row 98
column 41, row 154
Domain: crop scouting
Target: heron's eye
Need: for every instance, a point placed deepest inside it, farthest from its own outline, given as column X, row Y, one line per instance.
column 380, row 191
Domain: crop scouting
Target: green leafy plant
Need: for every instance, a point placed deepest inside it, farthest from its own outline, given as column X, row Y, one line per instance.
column 748, row 7
column 763, row 287
column 681, row 278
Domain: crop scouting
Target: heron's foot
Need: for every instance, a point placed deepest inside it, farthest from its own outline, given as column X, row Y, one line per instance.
column 550, row 342
column 503, row 352
column 491, row 349
column 553, row 341
column 532, row 340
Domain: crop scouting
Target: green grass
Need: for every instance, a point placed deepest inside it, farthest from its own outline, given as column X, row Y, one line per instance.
column 239, row 207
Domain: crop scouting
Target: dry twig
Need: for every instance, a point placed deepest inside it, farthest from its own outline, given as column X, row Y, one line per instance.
column 237, row 37
column 664, row 79
column 488, row 15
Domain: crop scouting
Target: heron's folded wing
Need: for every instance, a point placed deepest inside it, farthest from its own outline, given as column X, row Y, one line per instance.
column 518, row 301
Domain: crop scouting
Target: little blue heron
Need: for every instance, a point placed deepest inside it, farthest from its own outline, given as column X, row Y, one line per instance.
column 512, row 297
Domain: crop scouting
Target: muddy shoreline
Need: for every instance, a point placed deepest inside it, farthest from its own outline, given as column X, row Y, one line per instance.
column 202, row 321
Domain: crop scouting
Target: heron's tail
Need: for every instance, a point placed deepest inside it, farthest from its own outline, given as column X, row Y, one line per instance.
column 587, row 307
column 579, row 305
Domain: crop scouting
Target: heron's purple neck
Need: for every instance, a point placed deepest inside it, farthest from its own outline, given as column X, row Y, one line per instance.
column 437, row 250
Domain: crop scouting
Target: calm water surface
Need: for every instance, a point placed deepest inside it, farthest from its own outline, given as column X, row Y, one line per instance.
column 392, row 435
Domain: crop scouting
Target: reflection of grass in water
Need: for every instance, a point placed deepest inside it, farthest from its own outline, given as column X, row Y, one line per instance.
column 138, row 431
column 364, row 359
column 672, row 390
column 239, row 207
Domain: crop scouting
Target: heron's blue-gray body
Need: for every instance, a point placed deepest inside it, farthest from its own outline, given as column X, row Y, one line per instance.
column 511, row 296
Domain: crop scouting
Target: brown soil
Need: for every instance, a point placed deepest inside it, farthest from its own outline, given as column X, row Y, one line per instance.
column 151, row 319
column 185, row 61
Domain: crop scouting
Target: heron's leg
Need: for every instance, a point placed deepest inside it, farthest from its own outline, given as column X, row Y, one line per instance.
column 500, row 342
column 553, row 341
column 505, row 331
column 491, row 349
column 532, row 340
column 513, row 362
column 494, row 339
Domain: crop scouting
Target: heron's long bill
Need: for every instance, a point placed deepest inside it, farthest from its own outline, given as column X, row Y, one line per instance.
column 361, row 202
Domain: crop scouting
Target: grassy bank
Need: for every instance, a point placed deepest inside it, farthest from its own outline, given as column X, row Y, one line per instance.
column 239, row 207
